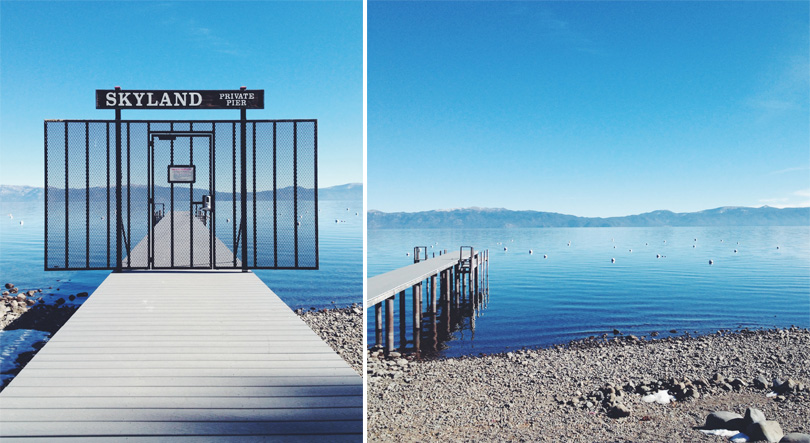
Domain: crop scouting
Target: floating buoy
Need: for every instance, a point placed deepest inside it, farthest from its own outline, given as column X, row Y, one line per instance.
column 665, row 241
column 21, row 222
column 721, row 241
column 337, row 221
column 347, row 209
column 431, row 246
column 227, row 220
column 711, row 262
column 645, row 243
column 694, row 246
column 777, row 247
column 735, row 251
column 545, row 256
column 569, row 243
column 505, row 248
column 531, row 252
column 631, row 250
column 408, row 254
column 657, row 255
column 614, row 247
column 613, row 260
column 355, row 213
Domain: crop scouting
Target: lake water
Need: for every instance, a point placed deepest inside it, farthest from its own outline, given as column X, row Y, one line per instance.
column 577, row 292
column 339, row 279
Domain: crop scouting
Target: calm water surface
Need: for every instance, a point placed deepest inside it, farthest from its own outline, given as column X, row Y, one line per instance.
column 577, row 292
column 339, row 279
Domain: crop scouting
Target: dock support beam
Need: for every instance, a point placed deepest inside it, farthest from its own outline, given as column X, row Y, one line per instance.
column 433, row 294
column 389, row 325
column 403, row 340
column 378, row 324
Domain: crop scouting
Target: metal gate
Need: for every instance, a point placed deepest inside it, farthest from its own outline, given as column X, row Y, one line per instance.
column 181, row 205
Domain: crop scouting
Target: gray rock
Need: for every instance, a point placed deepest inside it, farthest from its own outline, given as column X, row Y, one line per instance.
column 619, row 411
column 753, row 415
column 725, row 420
column 767, row 430
column 795, row 437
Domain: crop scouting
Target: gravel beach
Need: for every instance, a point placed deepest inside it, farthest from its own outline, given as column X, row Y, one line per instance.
column 572, row 392
column 342, row 329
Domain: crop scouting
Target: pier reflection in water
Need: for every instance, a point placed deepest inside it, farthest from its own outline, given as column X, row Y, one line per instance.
column 448, row 292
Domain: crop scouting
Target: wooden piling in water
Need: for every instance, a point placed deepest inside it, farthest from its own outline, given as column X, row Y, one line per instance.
column 378, row 324
column 403, row 340
column 433, row 294
column 389, row 324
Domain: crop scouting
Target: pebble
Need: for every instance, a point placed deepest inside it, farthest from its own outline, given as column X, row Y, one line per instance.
column 341, row 328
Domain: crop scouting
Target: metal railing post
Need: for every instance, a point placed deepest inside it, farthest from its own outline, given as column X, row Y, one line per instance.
column 243, row 155
column 119, row 222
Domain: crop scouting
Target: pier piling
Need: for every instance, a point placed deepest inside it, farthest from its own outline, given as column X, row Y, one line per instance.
column 455, row 288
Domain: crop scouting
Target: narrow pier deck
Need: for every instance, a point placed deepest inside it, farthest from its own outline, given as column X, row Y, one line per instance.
column 186, row 229
column 183, row 356
column 462, row 274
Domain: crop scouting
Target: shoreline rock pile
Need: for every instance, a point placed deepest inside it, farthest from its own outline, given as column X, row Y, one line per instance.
column 16, row 303
column 751, row 427
column 341, row 328
column 610, row 396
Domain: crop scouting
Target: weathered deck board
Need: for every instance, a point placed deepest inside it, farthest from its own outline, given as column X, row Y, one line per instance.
column 194, row 356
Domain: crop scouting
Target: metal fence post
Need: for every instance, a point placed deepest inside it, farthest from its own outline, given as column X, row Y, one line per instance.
column 119, row 222
column 243, row 155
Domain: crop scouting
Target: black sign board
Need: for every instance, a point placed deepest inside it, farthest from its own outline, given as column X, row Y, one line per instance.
column 180, row 99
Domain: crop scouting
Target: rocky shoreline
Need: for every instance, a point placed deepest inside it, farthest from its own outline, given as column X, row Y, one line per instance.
column 594, row 390
column 341, row 328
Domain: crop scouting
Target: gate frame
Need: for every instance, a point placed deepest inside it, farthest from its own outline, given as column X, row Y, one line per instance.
column 151, row 135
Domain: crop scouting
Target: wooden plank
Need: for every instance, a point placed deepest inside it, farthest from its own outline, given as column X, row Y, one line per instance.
column 183, row 391
column 172, row 428
column 167, row 357
column 194, row 439
column 195, row 380
column 183, row 364
column 178, row 403
column 194, row 372
column 96, row 414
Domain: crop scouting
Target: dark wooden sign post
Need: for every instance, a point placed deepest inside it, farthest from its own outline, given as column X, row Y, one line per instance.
column 118, row 99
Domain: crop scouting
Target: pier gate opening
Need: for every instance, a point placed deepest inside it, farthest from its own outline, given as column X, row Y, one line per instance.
column 179, row 194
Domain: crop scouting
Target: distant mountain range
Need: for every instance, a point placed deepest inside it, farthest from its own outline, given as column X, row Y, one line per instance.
column 13, row 193
column 504, row 218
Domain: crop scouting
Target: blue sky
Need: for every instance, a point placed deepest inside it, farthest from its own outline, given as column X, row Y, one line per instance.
column 592, row 108
column 308, row 57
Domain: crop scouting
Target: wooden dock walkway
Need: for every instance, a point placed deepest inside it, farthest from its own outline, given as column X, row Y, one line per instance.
column 184, row 356
column 185, row 227
column 460, row 275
